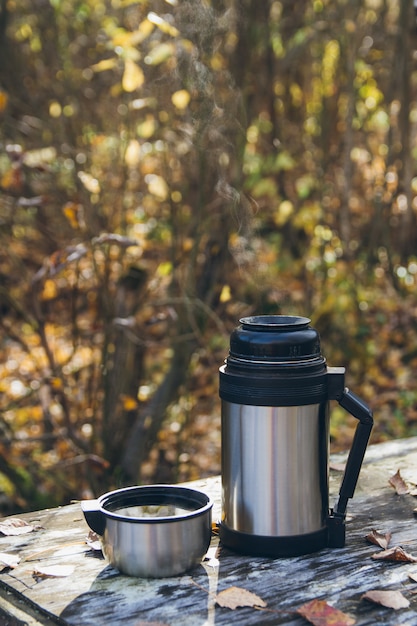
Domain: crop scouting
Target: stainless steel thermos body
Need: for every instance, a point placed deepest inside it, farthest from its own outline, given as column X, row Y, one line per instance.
column 274, row 479
column 275, row 389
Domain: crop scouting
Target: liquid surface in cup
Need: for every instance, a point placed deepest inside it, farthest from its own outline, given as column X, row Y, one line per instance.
column 153, row 510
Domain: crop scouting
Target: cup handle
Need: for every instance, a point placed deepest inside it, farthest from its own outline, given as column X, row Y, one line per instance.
column 360, row 410
column 94, row 516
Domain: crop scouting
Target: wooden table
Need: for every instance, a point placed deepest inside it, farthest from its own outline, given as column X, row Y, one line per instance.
column 93, row 593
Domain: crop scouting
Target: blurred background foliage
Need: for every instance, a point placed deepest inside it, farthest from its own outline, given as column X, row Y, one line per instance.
column 167, row 167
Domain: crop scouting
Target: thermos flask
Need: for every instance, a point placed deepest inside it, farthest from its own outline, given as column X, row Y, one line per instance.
column 275, row 389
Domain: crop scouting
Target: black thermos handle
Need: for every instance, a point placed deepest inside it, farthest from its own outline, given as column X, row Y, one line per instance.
column 359, row 409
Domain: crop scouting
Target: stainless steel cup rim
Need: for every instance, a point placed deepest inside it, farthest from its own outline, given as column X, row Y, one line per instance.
column 195, row 501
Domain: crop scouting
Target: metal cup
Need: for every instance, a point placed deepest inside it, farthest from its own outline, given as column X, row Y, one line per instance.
column 152, row 531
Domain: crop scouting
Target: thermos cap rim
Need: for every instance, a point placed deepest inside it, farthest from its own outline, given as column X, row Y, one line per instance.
column 289, row 362
column 271, row 322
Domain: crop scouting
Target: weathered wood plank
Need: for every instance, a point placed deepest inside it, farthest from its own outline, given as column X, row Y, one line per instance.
column 96, row 594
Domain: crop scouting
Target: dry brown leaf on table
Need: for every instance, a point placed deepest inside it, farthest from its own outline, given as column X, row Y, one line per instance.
column 379, row 539
column 93, row 541
column 8, row 561
column 15, row 526
column 319, row 613
column 337, row 467
column 53, row 571
column 390, row 599
column 398, row 483
column 232, row 597
column 395, row 554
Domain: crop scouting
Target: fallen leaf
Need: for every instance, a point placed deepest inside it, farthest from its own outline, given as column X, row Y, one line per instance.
column 8, row 560
column 93, row 541
column 379, row 539
column 395, row 554
column 319, row 613
column 398, row 483
column 337, row 467
column 390, row 599
column 15, row 526
column 233, row 597
column 53, row 571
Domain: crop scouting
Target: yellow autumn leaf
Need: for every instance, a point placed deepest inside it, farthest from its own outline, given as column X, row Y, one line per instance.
column 159, row 54
column 104, row 64
column 181, row 99
column 122, row 38
column 163, row 25
column 12, row 179
column 56, row 383
column 144, row 393
column 50, row 290
column 90, row 183
column 225, row 294
column 217, row 62
column 36, row 413
column 3, row 100
column 164, row 269
column 133, row 76
column 187, row 244
column 55, row 109
column 71, row 211
column 283, row 212
column 147, row 128
column 132, row 154
column 158, row 187
column 129, row 403
column 142, row 32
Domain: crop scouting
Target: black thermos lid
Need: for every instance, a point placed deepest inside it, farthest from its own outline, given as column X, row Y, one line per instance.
column 274, row 360
column 275, row 337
